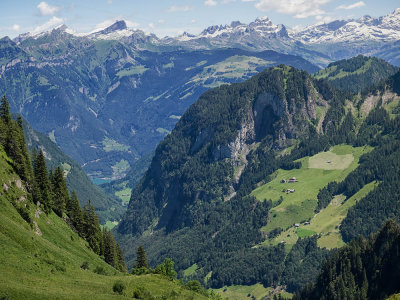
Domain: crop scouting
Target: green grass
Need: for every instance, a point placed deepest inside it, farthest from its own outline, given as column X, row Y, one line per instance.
column 236, row 66
column 163, row 131
column 191, row 270
column 47, row 266
column 66, row 168
column 111, row 145
column 301, row 232
column 120, row 168
column 124, row 195
column 110, row 224
column 299, row 206
column 239, row 292
column 326, row 223
column 135, row 70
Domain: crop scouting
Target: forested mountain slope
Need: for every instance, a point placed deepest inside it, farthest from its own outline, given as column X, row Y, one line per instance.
column 365, row 269
column 198, row 202
column 357, row 73
column 196, row 190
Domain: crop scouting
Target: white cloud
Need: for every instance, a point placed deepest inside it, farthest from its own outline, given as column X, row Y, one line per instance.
column 352, row 6
column 324, row 19
column 161, row 21
column 227, row 1
column 299, row 8
column 46, row 9
column 50, row 24
column 151, row 26
column 210, row 3
column 248, row 0
column 193, row 21
column 16, row 27
column 109, row 1
column 175, row 8
column 131, row 23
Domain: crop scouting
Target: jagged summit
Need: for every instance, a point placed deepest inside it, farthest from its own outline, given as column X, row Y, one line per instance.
column 117, row 26
column 366, row 28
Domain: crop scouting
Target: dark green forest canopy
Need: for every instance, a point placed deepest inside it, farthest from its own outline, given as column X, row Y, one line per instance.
column 364, row 269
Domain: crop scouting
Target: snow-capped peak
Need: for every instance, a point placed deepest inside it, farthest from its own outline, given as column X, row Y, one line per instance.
column 366, row 28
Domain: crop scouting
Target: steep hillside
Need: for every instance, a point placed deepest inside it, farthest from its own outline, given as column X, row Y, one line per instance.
column 215, row 191
column 50, row 247
column 357, row 74
column 196, row 190
column 45, row 262
column 106, row 102
column 107, row 207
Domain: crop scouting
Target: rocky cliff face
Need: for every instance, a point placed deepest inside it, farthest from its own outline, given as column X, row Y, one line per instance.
column 202, row 160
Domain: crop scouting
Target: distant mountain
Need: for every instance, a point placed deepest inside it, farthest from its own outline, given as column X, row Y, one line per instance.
column 357, row 74
column 104, row 101
column 332, row 40
column 366, row 28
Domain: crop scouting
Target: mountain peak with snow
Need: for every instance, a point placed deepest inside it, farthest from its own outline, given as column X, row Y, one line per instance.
column 117, row 26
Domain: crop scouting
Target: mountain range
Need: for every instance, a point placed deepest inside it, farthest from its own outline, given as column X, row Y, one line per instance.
column 248, row 154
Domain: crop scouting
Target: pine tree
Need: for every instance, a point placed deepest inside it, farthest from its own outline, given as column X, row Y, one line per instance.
column 121, row 259
column 42, row 182
column 5, row 110
column 74, row 212
column 141, row 258
column 92, row 229
column 110, row 255
column 60, row 191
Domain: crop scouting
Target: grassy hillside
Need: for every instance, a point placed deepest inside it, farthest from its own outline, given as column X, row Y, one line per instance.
column 43, row 261
column 299, row 206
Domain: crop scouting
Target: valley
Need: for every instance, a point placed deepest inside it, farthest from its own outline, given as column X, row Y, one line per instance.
column 244, row 161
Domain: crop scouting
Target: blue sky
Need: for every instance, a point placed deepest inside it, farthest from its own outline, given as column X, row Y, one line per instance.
column 172, row 17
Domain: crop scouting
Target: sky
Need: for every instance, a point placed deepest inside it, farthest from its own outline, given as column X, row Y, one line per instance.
column 173, row 17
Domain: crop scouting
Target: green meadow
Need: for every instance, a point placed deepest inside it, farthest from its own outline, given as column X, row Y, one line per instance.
column 299, row 206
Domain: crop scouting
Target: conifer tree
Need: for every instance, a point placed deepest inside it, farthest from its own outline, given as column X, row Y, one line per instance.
column 60, row 191
column 121, row 259
column 75, row 213
column 5, row 114
column 92, row 228
column 42, row 182
column 109, row 248
column 141, row 258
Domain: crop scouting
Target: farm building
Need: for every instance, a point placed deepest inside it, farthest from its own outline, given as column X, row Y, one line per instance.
column 297, row 225
column 293, row 179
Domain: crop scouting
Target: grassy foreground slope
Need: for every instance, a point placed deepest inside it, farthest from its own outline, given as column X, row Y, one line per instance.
column 44, row 262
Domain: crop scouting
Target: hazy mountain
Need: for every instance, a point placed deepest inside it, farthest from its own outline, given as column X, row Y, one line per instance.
column 106, row 103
